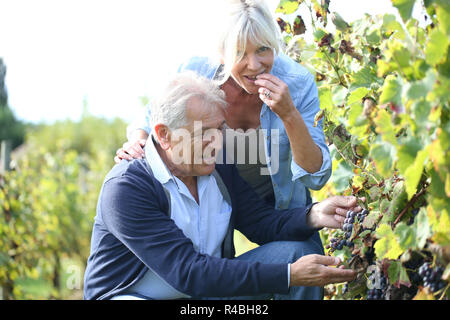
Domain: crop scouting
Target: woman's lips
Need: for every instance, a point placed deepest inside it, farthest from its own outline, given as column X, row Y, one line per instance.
column 251, row 79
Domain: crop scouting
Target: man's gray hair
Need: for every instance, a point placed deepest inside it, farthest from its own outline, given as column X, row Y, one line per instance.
column 169, row 108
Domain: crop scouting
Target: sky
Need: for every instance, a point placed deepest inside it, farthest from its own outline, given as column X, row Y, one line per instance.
column 62, row 55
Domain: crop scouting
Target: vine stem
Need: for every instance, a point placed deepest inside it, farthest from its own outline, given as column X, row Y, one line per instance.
column 326, row 54
column 335, row 69
column 443, row 292
column 409, row 204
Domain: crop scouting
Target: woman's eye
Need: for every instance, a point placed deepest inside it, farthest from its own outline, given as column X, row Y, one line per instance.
column 262, row 49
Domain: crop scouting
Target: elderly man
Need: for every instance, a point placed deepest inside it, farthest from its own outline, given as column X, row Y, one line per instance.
column 164, row 223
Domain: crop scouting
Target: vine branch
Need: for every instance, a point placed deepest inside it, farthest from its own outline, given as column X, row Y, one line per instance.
column 410, row 204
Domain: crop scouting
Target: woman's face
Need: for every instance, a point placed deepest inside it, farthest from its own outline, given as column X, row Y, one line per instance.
column 256, row 60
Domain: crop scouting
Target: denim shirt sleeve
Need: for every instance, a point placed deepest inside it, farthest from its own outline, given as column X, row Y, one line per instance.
column 308, row 106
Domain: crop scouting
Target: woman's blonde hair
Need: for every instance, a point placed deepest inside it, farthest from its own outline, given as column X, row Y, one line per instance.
column 246, row 20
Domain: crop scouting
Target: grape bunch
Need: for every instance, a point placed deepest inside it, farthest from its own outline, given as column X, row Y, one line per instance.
column 375, row 294
column 431, row 277
column 338, row 243
column 351, row 217
column 362, row 215
column 379, row 289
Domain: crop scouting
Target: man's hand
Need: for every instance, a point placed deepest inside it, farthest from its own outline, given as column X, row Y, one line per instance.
column 131, row 150
column 331, row 212
column 314, row 270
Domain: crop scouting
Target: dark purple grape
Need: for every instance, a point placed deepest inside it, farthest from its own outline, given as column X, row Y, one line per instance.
column 431, row 277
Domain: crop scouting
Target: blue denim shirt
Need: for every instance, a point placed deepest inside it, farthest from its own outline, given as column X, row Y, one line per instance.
column 290, row 181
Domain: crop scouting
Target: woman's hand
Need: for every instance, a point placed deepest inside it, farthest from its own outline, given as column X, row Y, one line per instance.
column 131, row 150
column 275, row 94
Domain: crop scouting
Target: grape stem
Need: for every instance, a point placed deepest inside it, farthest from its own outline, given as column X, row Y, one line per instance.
column 443, row 292
column 410, row 204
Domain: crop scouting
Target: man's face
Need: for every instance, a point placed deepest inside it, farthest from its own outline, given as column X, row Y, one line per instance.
column 195, row 147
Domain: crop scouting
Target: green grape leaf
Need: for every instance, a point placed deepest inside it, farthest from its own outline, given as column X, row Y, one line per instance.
column 365, row 77
column 371, row 220
column 441, row 230
column 287, row 6
column 341, row 176
column 385, row 127
column 390, row 24
column 387, row 246
column 414, row 172
column 391, row 91
column 406, row 153
column 398, row 202
column 397, row 275
column 420, row 89
column 404, row 7
column 357, row 96
column 443, row 16
column 405, row 235
column 339, row 94
column 437, row 47
column 422, row 228
column 326, row 99
column 382, row 154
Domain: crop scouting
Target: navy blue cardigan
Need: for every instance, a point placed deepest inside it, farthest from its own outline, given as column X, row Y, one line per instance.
column 132, row 231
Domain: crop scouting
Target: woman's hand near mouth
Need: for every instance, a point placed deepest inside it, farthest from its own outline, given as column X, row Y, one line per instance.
column 275, row 94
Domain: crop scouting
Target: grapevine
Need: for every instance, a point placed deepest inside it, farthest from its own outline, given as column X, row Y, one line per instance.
column 384, row 91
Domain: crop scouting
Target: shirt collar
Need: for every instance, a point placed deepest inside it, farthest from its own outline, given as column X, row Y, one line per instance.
column 159, row 168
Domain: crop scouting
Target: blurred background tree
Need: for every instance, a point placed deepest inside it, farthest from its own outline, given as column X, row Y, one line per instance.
column 10, row 128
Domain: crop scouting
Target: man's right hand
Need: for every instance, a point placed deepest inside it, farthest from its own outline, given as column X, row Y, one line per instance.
column 315, row 270
column 131, row 150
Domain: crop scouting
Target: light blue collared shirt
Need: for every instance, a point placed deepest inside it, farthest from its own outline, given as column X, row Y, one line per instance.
column 205, row 223
column 289, row 180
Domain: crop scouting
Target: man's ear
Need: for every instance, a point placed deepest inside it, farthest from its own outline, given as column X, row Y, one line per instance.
column 163, row 136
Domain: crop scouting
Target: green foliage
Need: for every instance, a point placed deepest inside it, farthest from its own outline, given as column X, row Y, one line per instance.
column 384, row 92
column 48, row 201
column 10, row 128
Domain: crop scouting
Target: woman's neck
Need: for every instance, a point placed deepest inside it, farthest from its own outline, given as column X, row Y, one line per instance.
column 236, row 95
